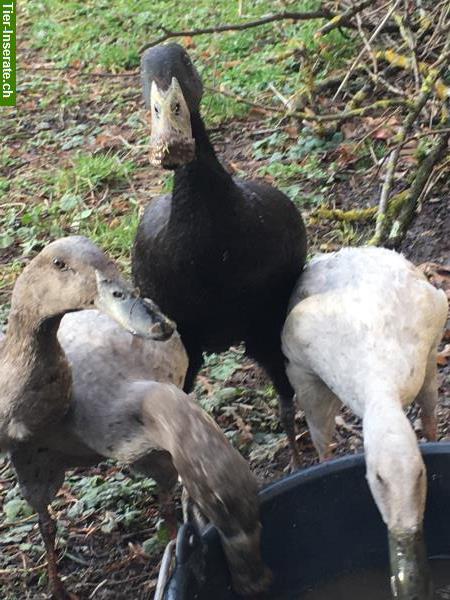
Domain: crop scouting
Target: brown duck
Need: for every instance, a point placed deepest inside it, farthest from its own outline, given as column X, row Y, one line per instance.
column 78, row 388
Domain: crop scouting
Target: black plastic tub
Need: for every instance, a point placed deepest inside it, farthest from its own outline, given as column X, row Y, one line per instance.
column 317, row 524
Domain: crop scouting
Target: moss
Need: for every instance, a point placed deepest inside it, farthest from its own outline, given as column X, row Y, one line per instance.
column 396, row 203
column 348, row 216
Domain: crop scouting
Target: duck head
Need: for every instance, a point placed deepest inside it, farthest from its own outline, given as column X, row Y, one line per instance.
column 73, row 274
column 397, row 478
column 172, row 92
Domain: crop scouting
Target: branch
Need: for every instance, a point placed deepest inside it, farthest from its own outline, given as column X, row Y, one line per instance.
column 343, row 18
column 426, row 90
column 284, row 16
column 409, row 206
column 308, row 115
column 348, row 216
column 237, row 98
column 372, row 37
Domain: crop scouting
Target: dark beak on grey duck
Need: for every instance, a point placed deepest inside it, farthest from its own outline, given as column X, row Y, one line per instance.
column 172, row 92
column 139, row 316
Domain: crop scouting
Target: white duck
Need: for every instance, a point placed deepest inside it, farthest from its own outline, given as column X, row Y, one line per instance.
column 363, row 330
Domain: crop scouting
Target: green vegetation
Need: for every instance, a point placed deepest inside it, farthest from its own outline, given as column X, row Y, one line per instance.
column 107, row 36
column 76, row 162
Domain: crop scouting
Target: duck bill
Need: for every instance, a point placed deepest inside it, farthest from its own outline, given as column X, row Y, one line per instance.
column 139, row 316
column 410, row 571
column 171, row 141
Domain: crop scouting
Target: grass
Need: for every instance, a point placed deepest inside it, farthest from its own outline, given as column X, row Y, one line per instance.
column 74, row 190
column 107, row 36
column 90, row 172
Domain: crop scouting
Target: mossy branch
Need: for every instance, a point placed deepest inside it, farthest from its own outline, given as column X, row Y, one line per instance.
column 408, row 207
column 348, row 216
column 383, row 223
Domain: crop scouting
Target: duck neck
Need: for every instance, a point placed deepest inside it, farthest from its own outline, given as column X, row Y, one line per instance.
column 37, row 376
column 204, row 180
column 33, row 339
column 386, row 427
column 217, row 479
column 382, row 417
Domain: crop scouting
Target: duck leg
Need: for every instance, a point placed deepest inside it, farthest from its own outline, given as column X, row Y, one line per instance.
column 427, row 398
column 168, row 512
column 320, row 406
column 47, row 527
column 158, row 465
column 40, row 475
column 268, row 354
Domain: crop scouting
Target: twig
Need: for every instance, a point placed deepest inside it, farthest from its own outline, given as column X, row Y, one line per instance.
column 18, row 570
column 97, row 587
column 338, row 20
column 279, row 95
column 284, row 16
column 377, row 78
column 357, row 112
column 372, row 37
column 384, row 119
column 370, row 52
column 238, row 98
column 18, row 522
column 299, row 98
column 427, row 133
column 309, row 115
column 408, row 37
column 76, row 559
column 385, row 193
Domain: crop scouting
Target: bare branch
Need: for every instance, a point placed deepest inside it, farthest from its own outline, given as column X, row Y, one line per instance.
column 237, row 98
column 426, row 90
column 372, row 37
column 284, row 16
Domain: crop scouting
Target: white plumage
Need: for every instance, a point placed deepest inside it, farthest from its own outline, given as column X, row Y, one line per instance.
column 363, row 330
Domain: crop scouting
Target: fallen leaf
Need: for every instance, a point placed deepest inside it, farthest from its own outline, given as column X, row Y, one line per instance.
column 231, row 63
column 438, row 275
column 443, row 356
column 188, row 41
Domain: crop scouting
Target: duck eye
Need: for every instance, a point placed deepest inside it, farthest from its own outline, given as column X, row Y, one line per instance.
column 380, row 479
column 118, row 294
column 176, row 108
column 156, row 109
column 59, row 264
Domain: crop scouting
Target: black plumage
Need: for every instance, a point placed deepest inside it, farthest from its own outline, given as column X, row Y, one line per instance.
column 219, row 255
